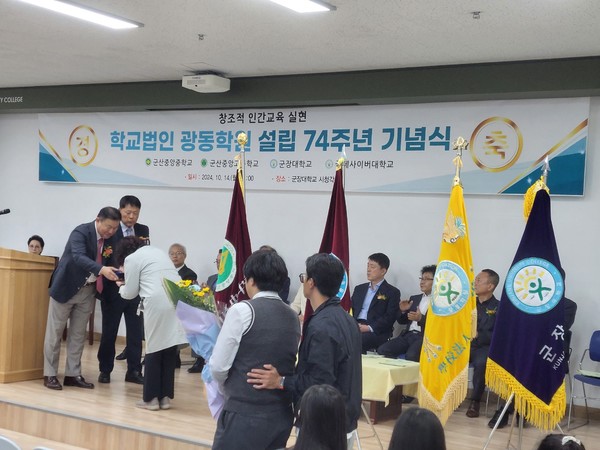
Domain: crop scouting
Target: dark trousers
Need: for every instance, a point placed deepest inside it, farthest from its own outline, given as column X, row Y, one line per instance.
column 253, row 431
column 371, row 341
column 407, row 343
column 159, row 377
column 113, row 307
column 478, row 358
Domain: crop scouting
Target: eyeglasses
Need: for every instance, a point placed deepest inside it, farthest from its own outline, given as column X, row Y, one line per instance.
column 302, row 277
column 176, row 253
column 425, row 279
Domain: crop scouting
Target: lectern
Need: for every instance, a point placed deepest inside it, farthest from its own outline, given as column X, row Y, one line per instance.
column 24, row 298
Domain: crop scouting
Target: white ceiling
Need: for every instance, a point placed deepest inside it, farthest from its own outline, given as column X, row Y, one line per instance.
column 244, row 38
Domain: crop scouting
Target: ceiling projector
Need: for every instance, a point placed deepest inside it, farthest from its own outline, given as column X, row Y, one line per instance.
column 206, row 84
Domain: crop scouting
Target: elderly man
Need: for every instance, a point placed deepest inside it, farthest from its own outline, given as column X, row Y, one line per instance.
column 79, row 277
column 177, row 254
column 487, row 306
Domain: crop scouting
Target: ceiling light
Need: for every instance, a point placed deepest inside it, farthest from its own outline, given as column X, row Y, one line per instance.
column 304, row 6
column 85, row 13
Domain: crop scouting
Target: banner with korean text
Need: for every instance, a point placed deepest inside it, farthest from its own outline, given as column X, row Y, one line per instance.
column 392, row 148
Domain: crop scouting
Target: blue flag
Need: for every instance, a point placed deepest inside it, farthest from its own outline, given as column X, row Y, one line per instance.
column 527, row 355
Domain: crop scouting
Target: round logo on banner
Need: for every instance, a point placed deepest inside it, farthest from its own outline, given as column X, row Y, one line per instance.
column 496, row 144
column 227, row 267
column 344, row 284
column 83, row 145
column 451, row 289
column 534, row 285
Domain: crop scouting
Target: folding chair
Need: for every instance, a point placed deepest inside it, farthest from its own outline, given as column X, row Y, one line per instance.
column 587, row 377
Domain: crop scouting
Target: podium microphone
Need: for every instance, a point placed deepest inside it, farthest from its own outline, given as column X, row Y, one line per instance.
column 4, row 211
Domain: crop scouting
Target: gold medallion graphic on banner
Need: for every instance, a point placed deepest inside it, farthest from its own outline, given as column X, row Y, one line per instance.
column 496, row 144
column 83, row 145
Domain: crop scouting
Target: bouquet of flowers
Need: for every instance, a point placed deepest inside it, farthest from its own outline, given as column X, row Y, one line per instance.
column 196, row 309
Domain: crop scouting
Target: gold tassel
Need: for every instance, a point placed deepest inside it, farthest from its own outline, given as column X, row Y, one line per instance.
column 541, row 415
column 455, row 393
column 530, row 195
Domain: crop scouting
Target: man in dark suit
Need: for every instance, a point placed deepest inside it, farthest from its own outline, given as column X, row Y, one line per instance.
column 375, row 304
column 413, row 314
column 81, row 274
column 113, row 306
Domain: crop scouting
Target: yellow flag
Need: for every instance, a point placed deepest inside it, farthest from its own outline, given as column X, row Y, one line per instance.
column 451, row 318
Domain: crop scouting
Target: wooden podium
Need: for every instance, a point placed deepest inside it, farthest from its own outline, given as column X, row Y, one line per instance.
column 24, row 298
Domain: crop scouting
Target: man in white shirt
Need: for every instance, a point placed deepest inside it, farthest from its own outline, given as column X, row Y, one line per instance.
column 412, row 313
column 256, row 332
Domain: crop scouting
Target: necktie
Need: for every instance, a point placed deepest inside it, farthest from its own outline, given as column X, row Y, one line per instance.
column 99, row 284
column 128, row 232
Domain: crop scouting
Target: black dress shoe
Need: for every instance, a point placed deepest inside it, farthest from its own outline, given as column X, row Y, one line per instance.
column 197, row 367
column 104, row 377
column 121, row 356
column 503, row 422
column 473, row 410
column 133, row 376
column 52, row 383
column 407, row 399
column 79, row 382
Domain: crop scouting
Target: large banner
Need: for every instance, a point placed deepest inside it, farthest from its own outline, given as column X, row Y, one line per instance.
column 399, row 148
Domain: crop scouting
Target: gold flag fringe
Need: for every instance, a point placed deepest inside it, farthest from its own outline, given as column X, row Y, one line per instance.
column 530, row 195
column 455, row 393
column 541, row 415
column 474, row 322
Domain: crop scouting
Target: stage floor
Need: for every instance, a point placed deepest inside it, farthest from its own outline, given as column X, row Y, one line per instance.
column 189, row 420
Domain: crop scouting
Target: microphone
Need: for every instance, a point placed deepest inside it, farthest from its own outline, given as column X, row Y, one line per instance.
column 4, row 211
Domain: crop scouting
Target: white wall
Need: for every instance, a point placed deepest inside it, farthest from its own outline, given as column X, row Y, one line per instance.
column 406, row 227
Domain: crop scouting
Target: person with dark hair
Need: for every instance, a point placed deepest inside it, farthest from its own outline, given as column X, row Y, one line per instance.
column 412, row 314
column 418, row 429
column 375, row 304
column 487, row 306
column 255, row 332
column 114, row 306
column 330, row 352
column 35, row 244
column 321, row 420
column 284, row 292
column 560, row 442
column 78, row 278
column 145, row 267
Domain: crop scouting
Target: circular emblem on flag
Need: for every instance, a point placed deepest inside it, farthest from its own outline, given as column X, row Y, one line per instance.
column 227, row 267
column 534, row 285
column 344, row 284
column 451, row 289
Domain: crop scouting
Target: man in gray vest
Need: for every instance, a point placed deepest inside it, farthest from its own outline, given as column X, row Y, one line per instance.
column 256, row 332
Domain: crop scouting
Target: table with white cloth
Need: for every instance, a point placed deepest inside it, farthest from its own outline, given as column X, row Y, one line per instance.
column 383, row 379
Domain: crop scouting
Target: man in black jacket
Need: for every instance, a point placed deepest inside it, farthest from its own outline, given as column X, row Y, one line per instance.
column 330, row 352
column 487, row 306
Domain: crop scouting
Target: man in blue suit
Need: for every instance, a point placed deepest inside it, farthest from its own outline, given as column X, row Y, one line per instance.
column 375, row 304
column 113, row 306
column 80, row 275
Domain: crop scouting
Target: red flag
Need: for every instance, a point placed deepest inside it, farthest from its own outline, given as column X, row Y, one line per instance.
column 335, row 236
column 230, row 287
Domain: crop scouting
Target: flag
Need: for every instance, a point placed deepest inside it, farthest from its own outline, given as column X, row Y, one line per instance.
column 236, row 249
column 526, row 355
column 335, row 236
column 444, row 362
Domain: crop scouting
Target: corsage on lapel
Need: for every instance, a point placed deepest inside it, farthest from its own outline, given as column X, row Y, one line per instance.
column 382, row 297
column 107, row 251
column 491, row 312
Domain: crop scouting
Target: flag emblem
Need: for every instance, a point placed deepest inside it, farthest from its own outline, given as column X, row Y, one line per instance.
column 451, row 289
column 534, row 285
column 227, row 267
column 344, row 284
